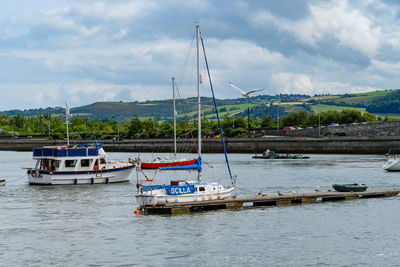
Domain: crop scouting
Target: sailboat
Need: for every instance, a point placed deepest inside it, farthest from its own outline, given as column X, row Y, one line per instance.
column 188, row 190
column 166, row 162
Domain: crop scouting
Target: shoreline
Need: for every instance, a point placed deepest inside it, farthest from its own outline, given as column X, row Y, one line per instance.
column 303, row 145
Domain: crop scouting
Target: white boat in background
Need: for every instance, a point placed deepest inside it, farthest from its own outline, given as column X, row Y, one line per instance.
column 188, row 190
column 76, row 164
column 392, row 163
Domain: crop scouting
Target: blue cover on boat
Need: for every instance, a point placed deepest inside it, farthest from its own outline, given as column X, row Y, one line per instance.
column 60, row 152
column 93, row 151
column 77, row 152
column 42, row 152
column 152, row 187
column 195, row 166
column 80, row 151
column 179, row 189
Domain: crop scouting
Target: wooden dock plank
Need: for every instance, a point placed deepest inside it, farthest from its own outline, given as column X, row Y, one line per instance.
column 266, row 200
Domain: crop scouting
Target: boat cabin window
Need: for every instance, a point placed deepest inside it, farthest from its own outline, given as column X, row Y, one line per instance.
column 103, row 161
column 85, row 162
column 45, row 165
column 201, row 188
column 70, row 163
column 56, row 163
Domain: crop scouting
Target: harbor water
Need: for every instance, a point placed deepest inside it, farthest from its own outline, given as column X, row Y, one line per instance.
column 95, row 225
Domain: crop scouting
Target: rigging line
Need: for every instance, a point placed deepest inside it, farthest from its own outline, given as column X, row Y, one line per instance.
column 187, row 55
column 148, row 177
column 15, row 180
column 216, row 110
column 187, row 120
column 209, row 165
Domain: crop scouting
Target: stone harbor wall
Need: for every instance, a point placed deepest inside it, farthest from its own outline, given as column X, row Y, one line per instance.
column 283, row 144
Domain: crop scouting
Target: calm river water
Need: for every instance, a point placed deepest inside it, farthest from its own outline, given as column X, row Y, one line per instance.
column 95, row 225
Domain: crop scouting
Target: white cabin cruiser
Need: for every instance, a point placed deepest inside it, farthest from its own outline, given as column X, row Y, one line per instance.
column 79, row 164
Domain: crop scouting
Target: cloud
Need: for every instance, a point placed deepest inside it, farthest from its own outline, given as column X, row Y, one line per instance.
column 128, row 50
column 334, row 22
column 112, row 10
column 290, row 83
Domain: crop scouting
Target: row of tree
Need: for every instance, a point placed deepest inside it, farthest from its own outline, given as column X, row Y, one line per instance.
column 83, row 128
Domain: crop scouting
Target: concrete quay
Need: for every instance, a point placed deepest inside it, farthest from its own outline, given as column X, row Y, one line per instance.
column 304, row 145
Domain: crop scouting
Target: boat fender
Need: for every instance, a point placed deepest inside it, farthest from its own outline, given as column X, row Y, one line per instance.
column 75, row 181
column 92, row 180
column 106, row 180
column 138, row 211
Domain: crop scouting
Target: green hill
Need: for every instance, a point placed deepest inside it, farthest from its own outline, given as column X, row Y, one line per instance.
column 378, row 102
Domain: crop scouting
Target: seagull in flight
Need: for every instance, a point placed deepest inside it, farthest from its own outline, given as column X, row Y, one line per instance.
column 245, row 94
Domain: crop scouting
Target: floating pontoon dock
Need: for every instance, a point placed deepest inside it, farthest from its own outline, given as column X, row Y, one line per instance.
column 265, row 200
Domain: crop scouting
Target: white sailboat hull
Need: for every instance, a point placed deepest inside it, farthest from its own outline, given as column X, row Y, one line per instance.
column 160, row 198
column 105, row 177
column 392, row 164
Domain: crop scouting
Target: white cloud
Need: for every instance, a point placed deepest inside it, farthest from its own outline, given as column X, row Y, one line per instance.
column 59, row 22
column 333, row 21
column 116, row 10
column 122, row 33
column 291, row 83
column 34, row 95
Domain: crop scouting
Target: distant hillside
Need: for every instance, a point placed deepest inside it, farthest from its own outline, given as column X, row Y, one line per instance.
column 389, row 103
column 378, row 102
column 159, row 109
column 361, row 100
column 33, row 112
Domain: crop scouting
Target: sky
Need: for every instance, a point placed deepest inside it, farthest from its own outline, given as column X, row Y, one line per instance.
column 80, row 52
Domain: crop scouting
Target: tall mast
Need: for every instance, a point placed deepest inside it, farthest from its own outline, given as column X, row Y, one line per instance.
column 173, row 95
column 67, row 116
column 198, row 87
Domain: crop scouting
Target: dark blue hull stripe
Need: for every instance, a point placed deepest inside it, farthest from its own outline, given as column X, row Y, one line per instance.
column 86, row 172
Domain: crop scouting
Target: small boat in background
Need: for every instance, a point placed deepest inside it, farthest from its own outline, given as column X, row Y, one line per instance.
column 2, row 182
column 268, row 154
column 392, row 163
column 350, row 187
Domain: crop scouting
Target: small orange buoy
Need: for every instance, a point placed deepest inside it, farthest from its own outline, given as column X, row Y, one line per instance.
column 148, row 180
column 137, row 211
column 213, row 167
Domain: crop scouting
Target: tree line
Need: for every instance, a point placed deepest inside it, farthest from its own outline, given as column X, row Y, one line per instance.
column 54, row 126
